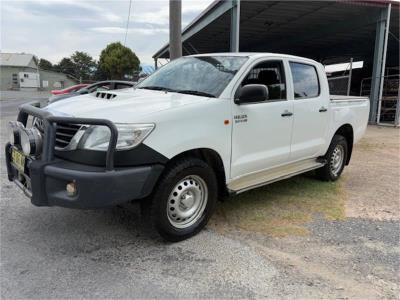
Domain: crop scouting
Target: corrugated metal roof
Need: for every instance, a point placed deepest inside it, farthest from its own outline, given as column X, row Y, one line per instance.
column 316, row 29
column 16, row 59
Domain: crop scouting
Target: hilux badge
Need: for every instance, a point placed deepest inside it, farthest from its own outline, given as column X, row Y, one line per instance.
column 240, row 118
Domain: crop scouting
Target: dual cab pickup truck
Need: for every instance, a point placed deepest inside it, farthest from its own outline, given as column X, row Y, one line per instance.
column 199, row 128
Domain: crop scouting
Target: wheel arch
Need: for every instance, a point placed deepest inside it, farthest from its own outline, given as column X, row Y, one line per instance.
column 347, row 132
column 209, row 156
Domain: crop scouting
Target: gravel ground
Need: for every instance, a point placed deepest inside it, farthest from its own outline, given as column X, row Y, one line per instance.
column 61, row 253
column 372, row 178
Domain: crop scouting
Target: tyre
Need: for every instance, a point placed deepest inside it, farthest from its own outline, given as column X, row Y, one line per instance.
column 183, row 200
column 336, row 159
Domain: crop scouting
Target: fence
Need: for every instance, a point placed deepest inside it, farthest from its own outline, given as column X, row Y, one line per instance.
column 388, row 105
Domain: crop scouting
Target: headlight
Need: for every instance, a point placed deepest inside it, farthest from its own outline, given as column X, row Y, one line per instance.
column 129, row 136
column 31, row 141
column 13, row 132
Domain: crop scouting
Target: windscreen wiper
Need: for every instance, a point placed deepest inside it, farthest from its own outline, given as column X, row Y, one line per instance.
column 197, row 93
column 157, row 88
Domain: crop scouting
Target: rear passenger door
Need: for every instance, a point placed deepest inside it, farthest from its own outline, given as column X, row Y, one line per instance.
column 261, row 131
column 310, row 117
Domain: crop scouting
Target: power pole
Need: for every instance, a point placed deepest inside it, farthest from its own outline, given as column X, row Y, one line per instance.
column 175, row 29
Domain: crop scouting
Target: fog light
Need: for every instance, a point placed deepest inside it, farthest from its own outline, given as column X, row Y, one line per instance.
column 71, row 189
column 31, row 141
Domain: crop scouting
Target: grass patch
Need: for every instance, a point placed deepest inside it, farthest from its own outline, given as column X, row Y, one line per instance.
column 282, row 208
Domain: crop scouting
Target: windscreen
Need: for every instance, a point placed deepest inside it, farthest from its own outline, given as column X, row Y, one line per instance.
column 203, row 76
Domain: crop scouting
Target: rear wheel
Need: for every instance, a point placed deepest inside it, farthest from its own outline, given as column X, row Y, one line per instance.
column 336, row 159
column 183, row 200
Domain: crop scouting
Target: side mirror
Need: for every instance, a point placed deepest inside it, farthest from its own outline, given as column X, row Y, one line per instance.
column 84, row 92
column 251, row 93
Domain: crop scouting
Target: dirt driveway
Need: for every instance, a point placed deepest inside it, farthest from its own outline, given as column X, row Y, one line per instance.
column 341, row 238
column 296, row 239
column 372, row 181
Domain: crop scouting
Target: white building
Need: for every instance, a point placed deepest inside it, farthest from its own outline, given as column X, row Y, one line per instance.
column 20, row 71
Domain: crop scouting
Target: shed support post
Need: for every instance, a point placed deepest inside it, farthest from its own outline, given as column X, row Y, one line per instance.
column 155, row 63
column 235, row 26
column 379, row 63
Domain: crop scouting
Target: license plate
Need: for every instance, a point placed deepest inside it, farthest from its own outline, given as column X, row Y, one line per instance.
column 18, row 159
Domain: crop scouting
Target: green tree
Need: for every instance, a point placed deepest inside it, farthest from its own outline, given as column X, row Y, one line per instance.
column 116, row 61
column 65, row 66
column 84, row 65
column 45, row 64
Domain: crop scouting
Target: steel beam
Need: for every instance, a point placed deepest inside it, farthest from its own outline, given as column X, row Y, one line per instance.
column 216, row 10
column 193, row 48
column 379, row 62
column 185, row 49
column 382, row 77
column 235, row 26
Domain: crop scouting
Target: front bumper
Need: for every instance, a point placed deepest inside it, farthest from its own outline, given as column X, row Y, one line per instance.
column 45, row 180
column 45, row 183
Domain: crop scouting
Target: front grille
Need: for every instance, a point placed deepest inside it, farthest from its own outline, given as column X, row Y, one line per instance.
column 38, row 123
column 64, row 132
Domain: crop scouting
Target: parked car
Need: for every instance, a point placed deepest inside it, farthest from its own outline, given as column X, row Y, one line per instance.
column 107, row 85
column 199, row 128
column 68, row 90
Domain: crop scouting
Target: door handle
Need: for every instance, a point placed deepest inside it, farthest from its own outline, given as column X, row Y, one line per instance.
column 287, row 113
column 323, row 109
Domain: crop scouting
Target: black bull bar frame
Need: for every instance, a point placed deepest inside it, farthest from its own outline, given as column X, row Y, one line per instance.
column 50, row 126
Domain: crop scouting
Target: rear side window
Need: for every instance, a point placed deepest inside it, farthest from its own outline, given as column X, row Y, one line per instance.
column 305, row 80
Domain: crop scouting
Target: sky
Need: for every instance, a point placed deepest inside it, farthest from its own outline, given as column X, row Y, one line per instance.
column 53, row 29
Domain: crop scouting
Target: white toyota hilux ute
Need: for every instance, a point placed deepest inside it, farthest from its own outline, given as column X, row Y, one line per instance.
column 199, row 128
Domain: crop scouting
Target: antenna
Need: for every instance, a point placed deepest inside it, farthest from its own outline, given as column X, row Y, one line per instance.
column 127, row 21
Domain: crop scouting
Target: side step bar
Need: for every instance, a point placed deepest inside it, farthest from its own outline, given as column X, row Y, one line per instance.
column 258, row 179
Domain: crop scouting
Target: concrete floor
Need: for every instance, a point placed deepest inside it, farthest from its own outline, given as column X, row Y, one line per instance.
column 75, row 254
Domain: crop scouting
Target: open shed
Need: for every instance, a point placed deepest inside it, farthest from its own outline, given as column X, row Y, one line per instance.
column 327, row 31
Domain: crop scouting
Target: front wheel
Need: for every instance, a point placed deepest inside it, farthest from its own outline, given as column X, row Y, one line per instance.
column 183, row 200
column 336, row 159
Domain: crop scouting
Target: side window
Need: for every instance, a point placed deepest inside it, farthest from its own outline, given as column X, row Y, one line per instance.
column 305, row 80
column 119, row 86
column 270, row 74
column 101, row 87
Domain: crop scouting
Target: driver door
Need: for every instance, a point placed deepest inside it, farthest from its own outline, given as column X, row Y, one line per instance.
column 261, row 131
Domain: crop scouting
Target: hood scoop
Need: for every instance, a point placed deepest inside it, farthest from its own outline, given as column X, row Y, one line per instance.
column 105, row 95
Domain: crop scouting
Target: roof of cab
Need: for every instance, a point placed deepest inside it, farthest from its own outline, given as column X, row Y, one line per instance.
column 254, row 55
